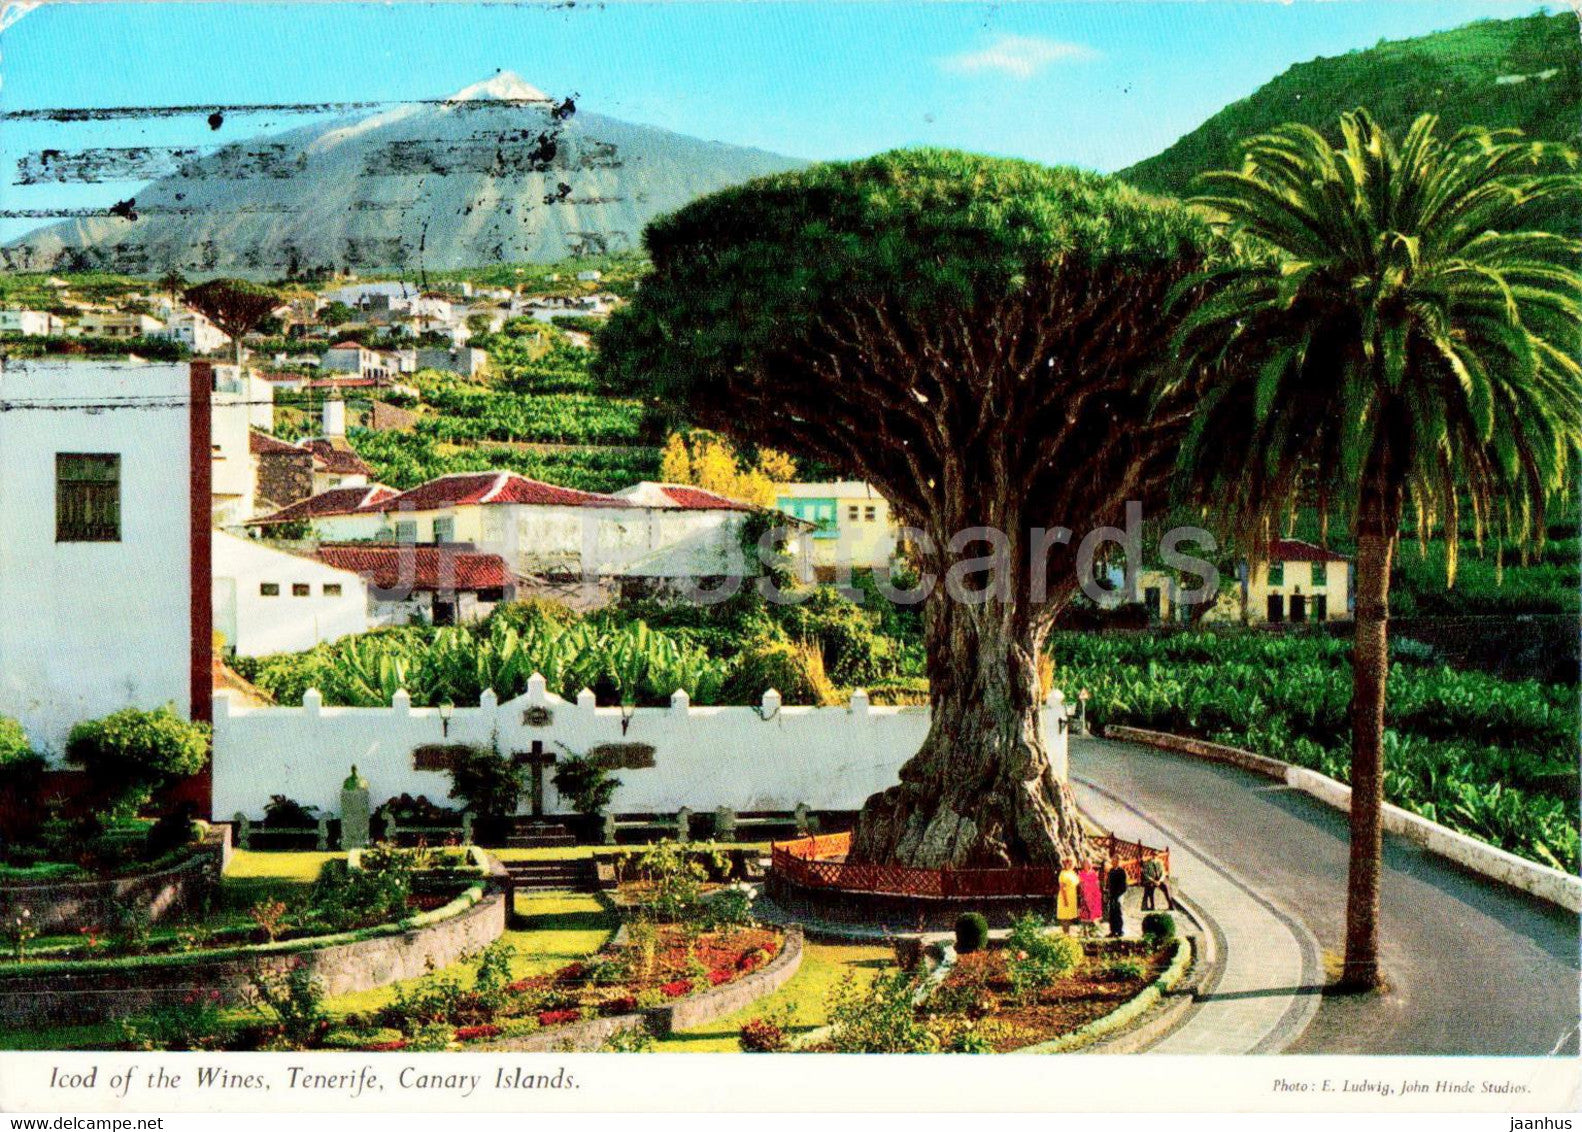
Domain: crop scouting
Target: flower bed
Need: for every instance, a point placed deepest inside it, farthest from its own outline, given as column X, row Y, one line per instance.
column 381, row 887
column 979, row 996
column 657, row 966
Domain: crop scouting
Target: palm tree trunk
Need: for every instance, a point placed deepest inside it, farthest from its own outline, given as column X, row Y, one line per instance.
column 1377, row 533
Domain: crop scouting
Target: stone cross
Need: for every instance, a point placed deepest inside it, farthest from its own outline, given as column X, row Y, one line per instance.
column 536, row 759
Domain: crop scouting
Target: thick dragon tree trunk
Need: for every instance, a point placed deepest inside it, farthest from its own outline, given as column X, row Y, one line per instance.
column 980, row 792
column 1377, row 535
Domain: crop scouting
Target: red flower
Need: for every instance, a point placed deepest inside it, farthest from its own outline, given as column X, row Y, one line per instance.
column 556, row 1017
column 473, row 1033
column 677, row 988
column 386, row 1047
column 721, row 975
column 570, row 972
column 623, row 1005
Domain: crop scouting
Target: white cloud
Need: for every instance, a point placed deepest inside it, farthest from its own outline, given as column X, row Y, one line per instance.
column 1019, row 56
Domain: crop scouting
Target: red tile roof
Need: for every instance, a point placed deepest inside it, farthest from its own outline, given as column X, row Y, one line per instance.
column 262, row 444
column 463, row 488
column 337, row 456
column 342, row 383
column 347, row 345
column 1299, row 550
column 697, row 499
column 390, row 567
column 336, row 501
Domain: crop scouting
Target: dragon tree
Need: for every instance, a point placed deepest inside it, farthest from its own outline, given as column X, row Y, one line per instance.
column 976, row 338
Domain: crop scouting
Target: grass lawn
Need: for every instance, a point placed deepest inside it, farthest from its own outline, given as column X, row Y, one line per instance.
column 561, row 927
column 251, row 864
column 824, row 965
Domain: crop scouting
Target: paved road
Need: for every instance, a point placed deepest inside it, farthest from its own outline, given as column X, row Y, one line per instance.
column 1269, row 976
column 1474, row 967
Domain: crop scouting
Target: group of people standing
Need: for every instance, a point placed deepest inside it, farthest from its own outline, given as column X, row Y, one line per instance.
column 1081, row 897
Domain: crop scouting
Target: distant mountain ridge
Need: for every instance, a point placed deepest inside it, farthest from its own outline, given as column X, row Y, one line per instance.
column 497, row 172
column 1525, row 73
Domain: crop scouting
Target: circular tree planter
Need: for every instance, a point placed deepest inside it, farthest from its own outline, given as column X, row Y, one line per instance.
column 811, row 877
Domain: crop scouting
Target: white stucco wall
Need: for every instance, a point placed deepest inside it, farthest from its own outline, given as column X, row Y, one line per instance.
column 90, row 627
column 255, row 625
column 705, row 757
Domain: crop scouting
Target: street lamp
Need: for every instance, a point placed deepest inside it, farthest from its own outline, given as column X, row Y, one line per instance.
column 445, row 710
column 1082, row 711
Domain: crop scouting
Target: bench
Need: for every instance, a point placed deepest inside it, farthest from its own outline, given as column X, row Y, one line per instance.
column 678, row 826
column 248, row 832
column 393, row 830
column 728, row 822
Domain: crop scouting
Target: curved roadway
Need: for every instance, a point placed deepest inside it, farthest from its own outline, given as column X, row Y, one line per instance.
column 1474, row 967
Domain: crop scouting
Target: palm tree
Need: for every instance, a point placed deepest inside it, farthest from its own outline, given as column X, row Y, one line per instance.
column 1390, row 333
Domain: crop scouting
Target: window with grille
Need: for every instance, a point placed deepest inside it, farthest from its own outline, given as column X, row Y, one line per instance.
column 332, row 589
column 301, row 589
column 87, row 497
column 268, row 589
column 1277, row 573
column 406, row 530
column 870, row 514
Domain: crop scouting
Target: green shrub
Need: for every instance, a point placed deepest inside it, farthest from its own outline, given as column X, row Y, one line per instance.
column 879, row 1019
column 796, row 671
column 1035, row 958
column 14, row 747
column 293, row 1001
column 1159, row 925
column 488, row 782
column 585, row 784
column 131, row 753
column 1126, row 969
column 972, row 933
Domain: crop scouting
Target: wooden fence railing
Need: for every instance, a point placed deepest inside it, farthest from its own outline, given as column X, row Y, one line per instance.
column 818, row 862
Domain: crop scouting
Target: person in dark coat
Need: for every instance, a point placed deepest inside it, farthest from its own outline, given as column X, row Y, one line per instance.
column 1114, row 889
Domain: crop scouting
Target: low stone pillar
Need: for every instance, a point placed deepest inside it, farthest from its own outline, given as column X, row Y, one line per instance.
column 355, row 811
column 244, row 830
column 607, row 828
column 724, row 824
column 684, row 824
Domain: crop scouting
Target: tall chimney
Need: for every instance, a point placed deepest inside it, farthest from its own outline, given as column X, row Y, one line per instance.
column 334, row 417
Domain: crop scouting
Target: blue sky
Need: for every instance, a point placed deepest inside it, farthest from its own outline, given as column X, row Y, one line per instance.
column 1099, row 84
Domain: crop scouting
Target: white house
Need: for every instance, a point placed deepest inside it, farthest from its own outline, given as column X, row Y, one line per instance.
column 390, row 296
column 355, row 358
column 267, row 601
column 242, row 401
column 31, row 324
column 104, row 525
column 194, row 330
column 118, row 324
column 441, row 585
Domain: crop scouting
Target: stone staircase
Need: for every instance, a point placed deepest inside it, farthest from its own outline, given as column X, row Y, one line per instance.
column 538, row 833
column 576, row 875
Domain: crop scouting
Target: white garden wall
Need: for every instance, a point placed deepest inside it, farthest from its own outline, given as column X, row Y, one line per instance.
column 746, row 758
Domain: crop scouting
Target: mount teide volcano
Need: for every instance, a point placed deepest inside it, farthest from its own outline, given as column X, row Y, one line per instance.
column 497, row 172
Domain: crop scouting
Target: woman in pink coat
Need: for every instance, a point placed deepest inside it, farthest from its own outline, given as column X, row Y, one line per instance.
column 1089, row 894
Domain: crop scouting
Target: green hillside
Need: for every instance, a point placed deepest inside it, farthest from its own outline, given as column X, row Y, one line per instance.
column 1524, row 72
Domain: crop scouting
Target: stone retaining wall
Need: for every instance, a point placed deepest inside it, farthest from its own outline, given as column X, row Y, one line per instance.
column 67, row 904
column 683, row 1014
column 1486, row 860
column 106, row 991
